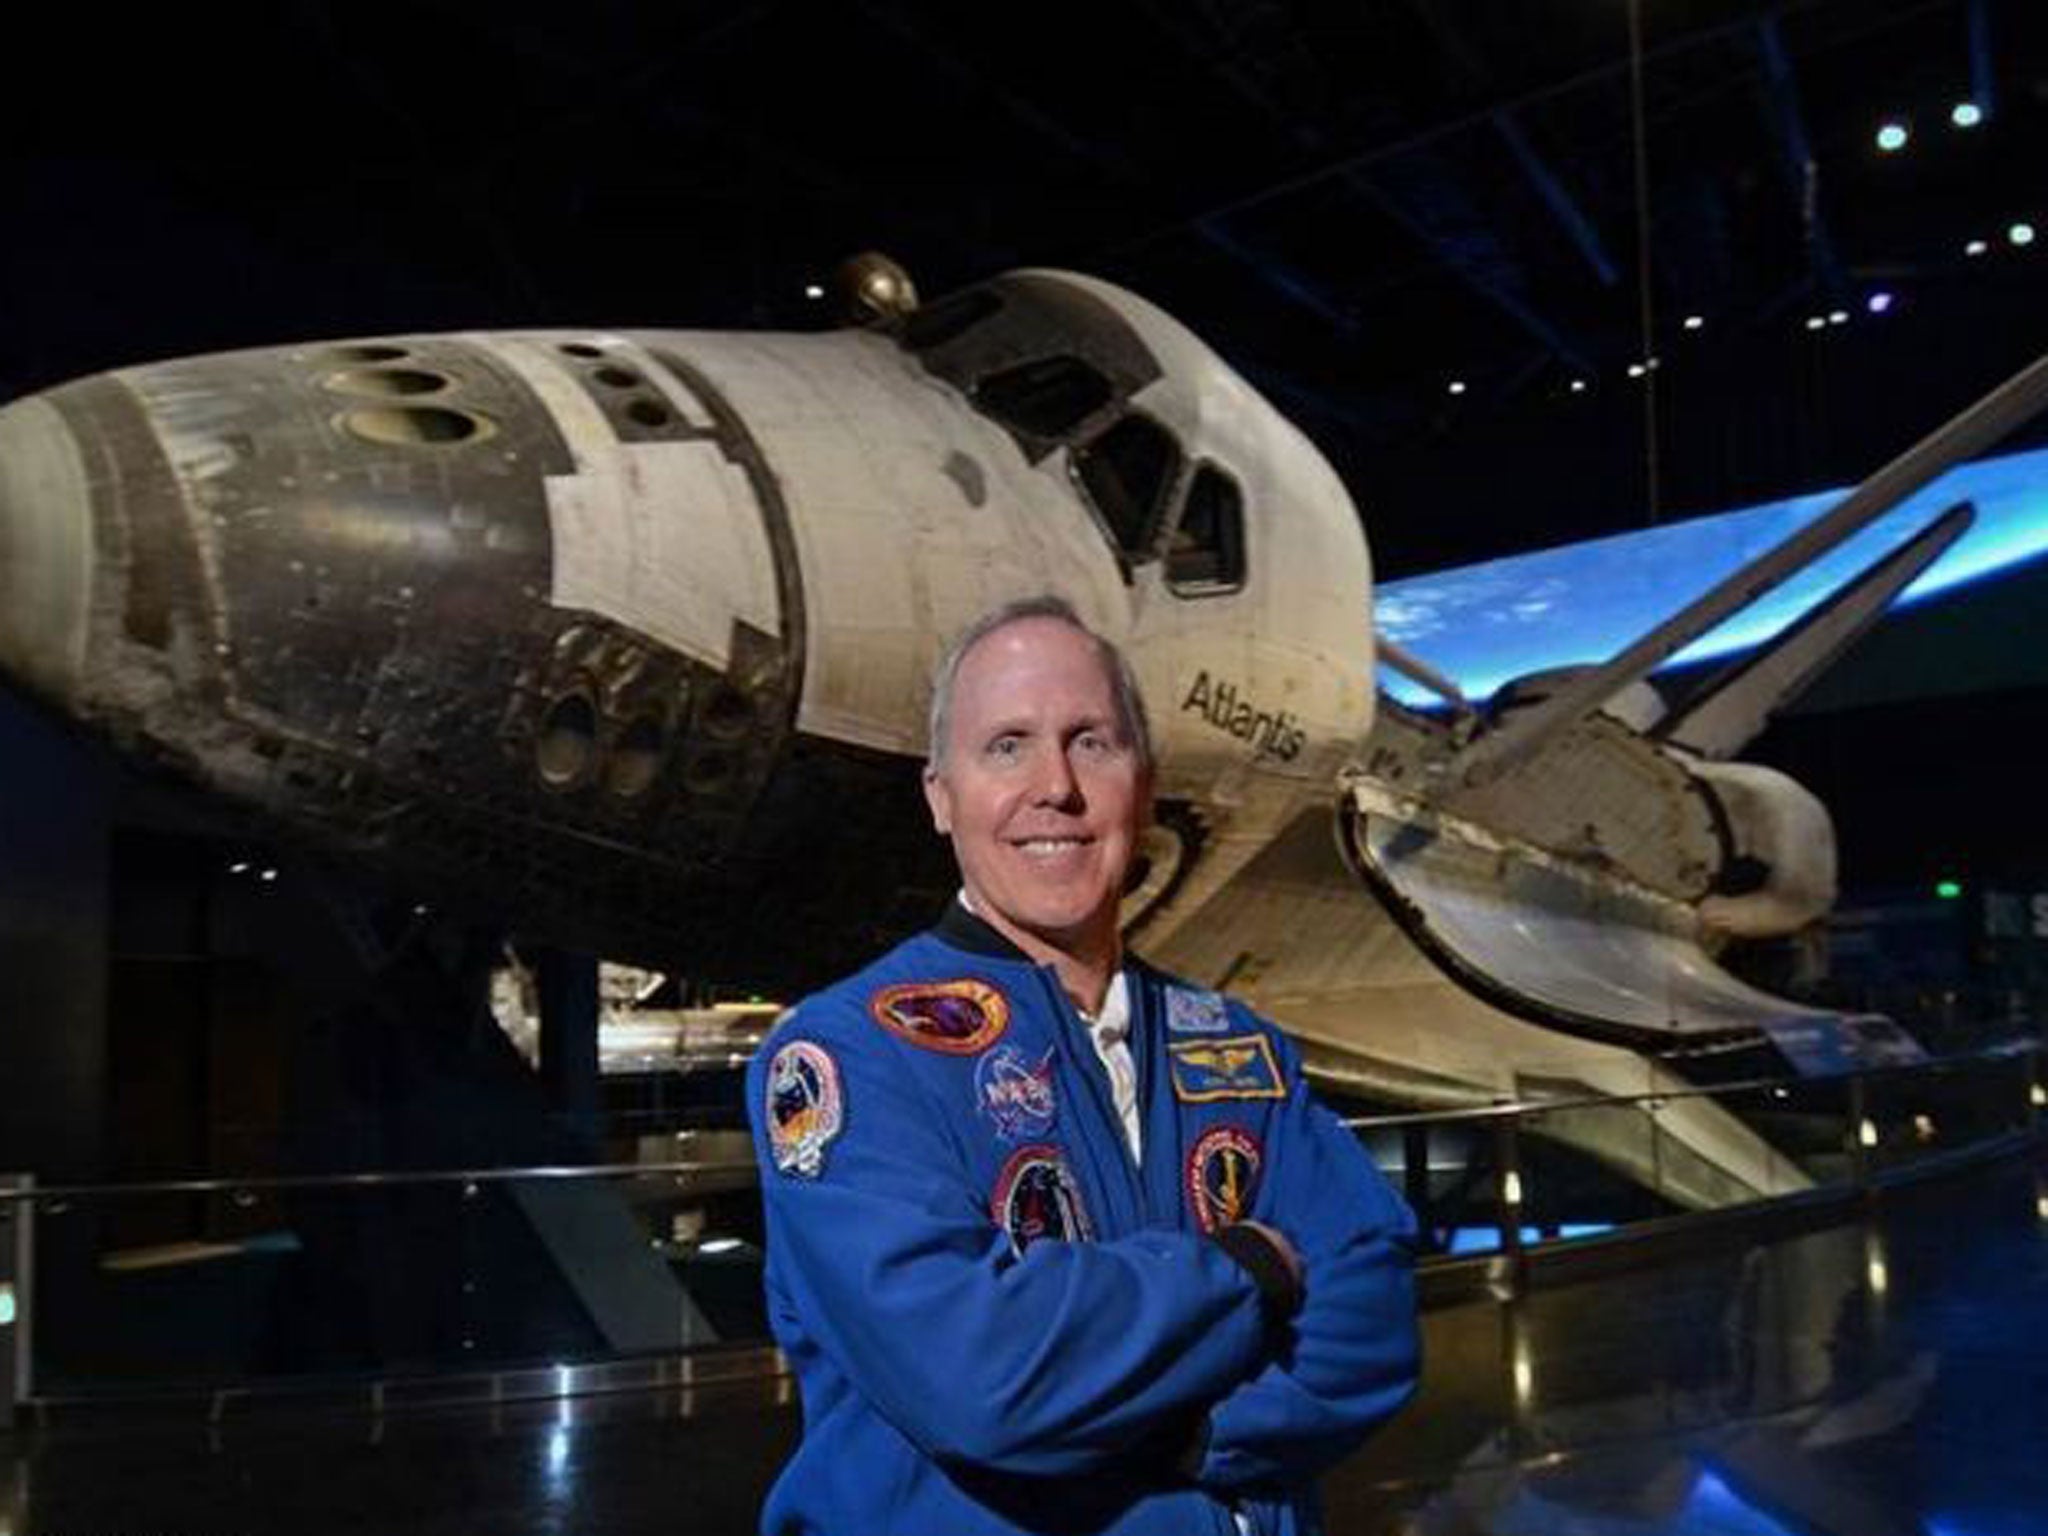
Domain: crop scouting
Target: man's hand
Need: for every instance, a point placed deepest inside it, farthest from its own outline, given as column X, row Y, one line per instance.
column 1283, row 1247
column 1270, row 1259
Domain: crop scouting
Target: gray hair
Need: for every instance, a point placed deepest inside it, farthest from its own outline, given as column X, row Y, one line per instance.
column 1123, row 682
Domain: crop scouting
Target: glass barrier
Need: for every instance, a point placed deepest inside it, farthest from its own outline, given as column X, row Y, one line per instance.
column 208, row 1284
column 199, row 1286
column 1566, row 1169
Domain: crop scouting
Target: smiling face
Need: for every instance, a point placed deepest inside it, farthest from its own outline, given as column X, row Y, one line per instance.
column 1040, row 788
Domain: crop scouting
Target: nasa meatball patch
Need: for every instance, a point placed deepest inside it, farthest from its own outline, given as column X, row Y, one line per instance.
column 1036, row 1197
column 805, row 1108
column 1223, row 1176
column 957, row 1017
column 1016, row 1093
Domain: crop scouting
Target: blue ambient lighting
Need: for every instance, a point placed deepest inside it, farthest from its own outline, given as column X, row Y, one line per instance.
column 1487, row 1239
column 1484, row 624
column 1716, row 1507
column 6, row 1305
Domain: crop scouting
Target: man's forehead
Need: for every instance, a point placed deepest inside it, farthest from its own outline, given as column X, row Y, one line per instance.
column 1029, row 655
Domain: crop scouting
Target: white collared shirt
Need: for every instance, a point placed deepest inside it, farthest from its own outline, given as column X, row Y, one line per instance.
column 1110, row 1030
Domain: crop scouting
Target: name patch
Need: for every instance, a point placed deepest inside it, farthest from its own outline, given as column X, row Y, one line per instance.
column 1223, row 1176
column 957, row 1017
column 1036, row 1197
column 1015, row 1093
column 1235, row 1067
column 1189, row 1012
column 805, row 1108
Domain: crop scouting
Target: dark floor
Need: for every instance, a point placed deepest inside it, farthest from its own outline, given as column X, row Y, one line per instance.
column 1879, row 1377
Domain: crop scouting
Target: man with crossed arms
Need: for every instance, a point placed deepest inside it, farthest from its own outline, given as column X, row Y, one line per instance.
column 1057, row 1242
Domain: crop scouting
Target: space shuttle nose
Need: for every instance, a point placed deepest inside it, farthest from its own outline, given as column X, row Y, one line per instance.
column 46, row 550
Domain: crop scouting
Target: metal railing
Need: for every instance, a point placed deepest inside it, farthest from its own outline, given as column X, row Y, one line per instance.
column 574, row 1278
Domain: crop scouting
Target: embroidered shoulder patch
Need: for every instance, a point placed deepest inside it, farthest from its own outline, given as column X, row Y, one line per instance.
column 1189, row 1012
column 1036, row 1197
column 1234, row 1067
column 1223, row 1176
column 1016, row 1093
column 957, row 1017
column 805, row 1107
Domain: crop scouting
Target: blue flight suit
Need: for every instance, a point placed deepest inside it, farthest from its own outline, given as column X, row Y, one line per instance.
column 998, row 1322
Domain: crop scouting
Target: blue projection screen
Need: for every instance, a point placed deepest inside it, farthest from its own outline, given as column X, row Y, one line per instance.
column 1483, row 625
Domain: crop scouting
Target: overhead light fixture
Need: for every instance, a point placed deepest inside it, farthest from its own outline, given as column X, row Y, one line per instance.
column 814, row 290
column 2021, row 233
column 1976, row 248
column 1457, row 386
column 1838, row 317
column 1636, row 370
column 1815, row 322
column 1879, row 302
column 1578, row 386
column 1694, row 322
column 1892, row 137
column 1966, row 114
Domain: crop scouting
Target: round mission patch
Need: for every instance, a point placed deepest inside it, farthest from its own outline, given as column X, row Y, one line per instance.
column 1223, row 1176
column 1036, row 1197
column 957, row 1017
column 805, row 1107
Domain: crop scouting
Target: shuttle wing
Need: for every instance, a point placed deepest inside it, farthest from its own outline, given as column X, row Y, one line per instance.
column 1734, row 705
column 2013, row 402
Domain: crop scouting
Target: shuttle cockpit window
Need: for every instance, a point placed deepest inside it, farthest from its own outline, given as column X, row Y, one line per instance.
column 1128, row 472
column 1046, row 398
column 1206, row 552
column 1038, row 354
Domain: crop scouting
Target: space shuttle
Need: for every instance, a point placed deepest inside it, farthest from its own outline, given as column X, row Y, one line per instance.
column 623, row 639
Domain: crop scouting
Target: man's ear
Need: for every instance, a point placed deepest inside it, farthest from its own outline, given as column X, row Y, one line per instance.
column 940, row 799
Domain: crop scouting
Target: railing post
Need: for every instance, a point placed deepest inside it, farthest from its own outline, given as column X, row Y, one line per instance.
column 17, row 1310
column 1415, row 1173
column 1507, row 1188
column 1859, row 1117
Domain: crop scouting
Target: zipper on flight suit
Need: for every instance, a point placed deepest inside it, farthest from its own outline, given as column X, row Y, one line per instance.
column 1075, row 1039
column 1076, row 1043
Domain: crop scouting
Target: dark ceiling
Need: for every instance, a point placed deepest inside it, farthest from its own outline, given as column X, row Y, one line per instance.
column 1357, row 201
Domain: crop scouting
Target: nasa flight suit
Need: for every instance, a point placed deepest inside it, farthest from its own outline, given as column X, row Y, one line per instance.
column 999, row 1323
